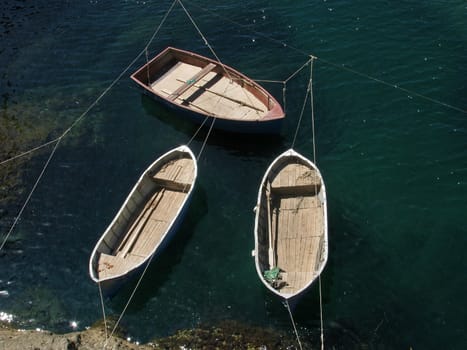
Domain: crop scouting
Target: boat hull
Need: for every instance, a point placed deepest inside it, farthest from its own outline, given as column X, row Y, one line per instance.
column 291, row 238
column 264, row 127
column 200, row 88
column 147, row 221
column 110, row 287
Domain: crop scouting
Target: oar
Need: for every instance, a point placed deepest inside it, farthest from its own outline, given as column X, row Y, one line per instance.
column 240, row 102
column 268, row 200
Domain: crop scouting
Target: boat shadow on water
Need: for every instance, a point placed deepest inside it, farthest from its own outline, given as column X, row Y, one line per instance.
column 340, row 332
column 162, row 265
column 260, row 144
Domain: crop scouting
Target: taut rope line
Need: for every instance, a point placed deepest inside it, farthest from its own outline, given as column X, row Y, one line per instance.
column 84, row 114
column 206, row 139
column 340, row 66
column 103, row 310
column 314, row 161
column 65, row 133
column 128, row 302
column 30, row 194
column 293, row 323
column 200, row 33
column 208, row 45
column 321, row 313
column 198, row 130
column 305, row 100
column 310, row 89
column 160, row 25
column 32, row 150
column 155, row 33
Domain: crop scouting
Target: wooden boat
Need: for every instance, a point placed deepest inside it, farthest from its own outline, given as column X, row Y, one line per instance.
column 146, row 221
column 199, row 87
column 291, row 238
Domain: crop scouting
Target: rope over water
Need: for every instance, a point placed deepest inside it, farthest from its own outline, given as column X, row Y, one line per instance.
column 293, row 323
column 56, row 141
column 26, row 202
column 321, row 313
column 310, row 92
column 103, row 310
column 310, row 61
column 330, row 63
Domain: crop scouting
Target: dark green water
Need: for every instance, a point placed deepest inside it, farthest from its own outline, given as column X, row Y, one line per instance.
column 394, row 163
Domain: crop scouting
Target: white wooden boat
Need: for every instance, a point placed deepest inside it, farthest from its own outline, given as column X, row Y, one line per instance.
column 291, row 232
column 146, row 221
column 199, row 88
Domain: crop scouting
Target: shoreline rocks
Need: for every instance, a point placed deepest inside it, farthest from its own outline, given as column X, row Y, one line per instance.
column 227, row 335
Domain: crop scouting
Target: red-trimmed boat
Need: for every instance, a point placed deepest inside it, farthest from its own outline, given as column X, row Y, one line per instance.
column 201, row 88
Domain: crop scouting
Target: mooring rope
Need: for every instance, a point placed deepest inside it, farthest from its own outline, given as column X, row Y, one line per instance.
column 309, row 88
column 298, row 50
column 30, row 194
column 108, row 337
column 160, row 25
column 32, row 150
column 207, row 135
column 128, row 301
column 155, row 34
column 314, row 161
column 210, row 47
column 321, row 313
column 206, row 138
column 101, row 297
column 200, row 33
column 293, row 324
column 65, row 133
column 93, row 104
column 330, row 63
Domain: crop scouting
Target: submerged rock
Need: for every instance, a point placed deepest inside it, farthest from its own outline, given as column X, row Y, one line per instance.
column 229, row 335
column 226, row 335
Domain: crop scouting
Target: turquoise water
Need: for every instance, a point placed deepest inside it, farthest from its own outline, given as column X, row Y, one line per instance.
column 390, row 105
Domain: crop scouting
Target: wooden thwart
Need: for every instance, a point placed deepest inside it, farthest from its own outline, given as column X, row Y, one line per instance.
column 306, row 189
column 172, row 185
column 148, row 218
column 190, row 82
column 298, row 229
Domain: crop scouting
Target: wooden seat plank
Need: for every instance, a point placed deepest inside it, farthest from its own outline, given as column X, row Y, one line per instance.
column 191, row 82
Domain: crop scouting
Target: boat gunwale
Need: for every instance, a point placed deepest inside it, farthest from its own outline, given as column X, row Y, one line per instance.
column 322, row 193
column 94, row 256
column 274, row 113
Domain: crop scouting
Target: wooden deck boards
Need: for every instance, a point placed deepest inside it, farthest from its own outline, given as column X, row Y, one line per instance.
column 149, row 227
column 297, row 226
column 178, row 170
column 295, row 174
column 192, row 81
column 152, row 225
column 206, row 93
column 110, row 265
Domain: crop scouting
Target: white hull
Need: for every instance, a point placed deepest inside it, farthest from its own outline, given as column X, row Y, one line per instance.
column 146, row 221
column 291, row 231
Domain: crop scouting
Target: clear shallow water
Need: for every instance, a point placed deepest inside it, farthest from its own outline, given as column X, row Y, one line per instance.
column 395, row 165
